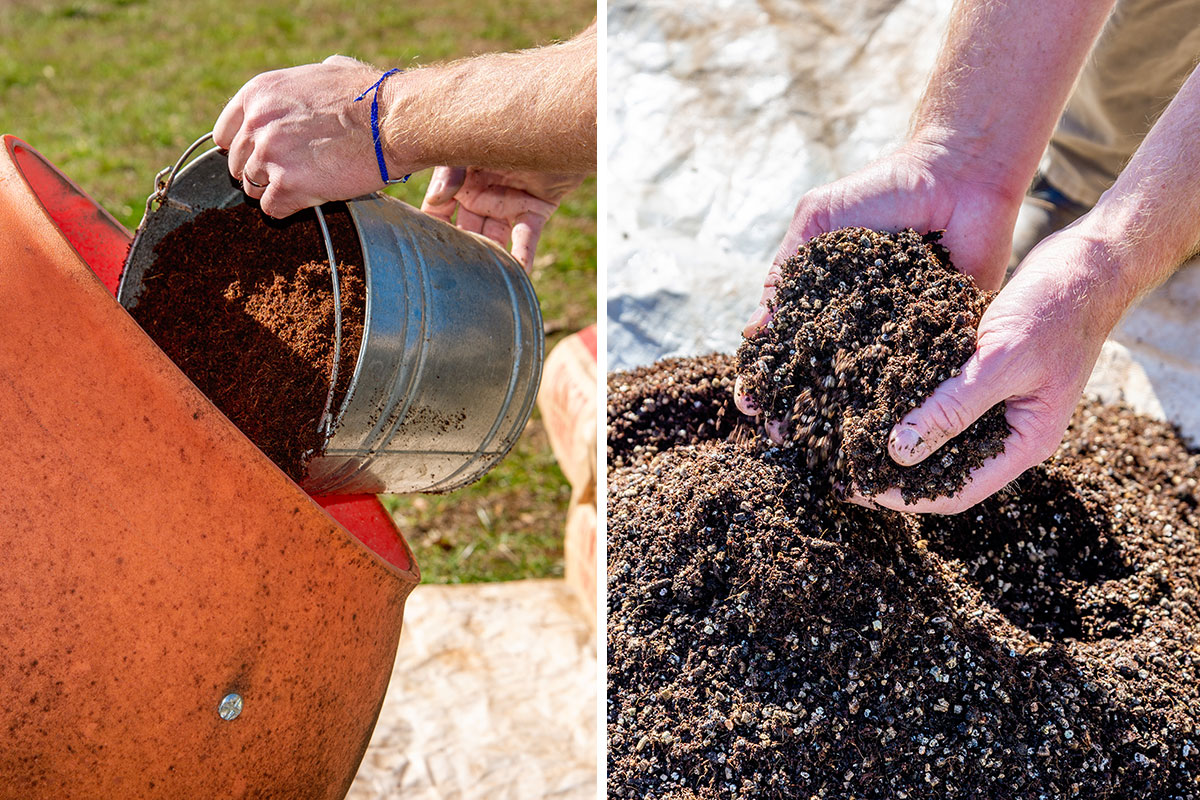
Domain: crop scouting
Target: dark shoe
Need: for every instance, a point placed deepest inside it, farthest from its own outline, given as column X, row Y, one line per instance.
column 1043, row 211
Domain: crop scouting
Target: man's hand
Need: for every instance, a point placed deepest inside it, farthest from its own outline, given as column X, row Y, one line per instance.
column 1039, row 339
column 296, row 138
column 1038, row 342
column 923, row 186
column 507, row 206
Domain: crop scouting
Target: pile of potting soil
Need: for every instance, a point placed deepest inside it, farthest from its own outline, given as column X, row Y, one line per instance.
column 243, row 304
column 768, row 641
column 864, row 327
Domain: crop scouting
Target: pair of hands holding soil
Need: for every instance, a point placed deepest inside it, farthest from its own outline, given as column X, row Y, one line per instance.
column 1037, row 341
column 297, row 138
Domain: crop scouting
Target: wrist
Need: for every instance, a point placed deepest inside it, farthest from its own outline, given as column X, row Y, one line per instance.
column 968, row 157
column 1101, row 271
column 405, row 149
column 1137, row 230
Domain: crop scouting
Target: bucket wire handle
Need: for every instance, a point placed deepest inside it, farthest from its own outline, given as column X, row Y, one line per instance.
column 166, row 176
column 162, row 187
column 326, row 423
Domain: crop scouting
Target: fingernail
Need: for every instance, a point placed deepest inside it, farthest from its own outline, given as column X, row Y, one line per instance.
column 755, row 322
column 907, row 446
column 744, row 402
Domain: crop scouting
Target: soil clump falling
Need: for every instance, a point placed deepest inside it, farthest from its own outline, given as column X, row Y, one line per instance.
column 865, row 326
column 243, row 304
column 768, row 641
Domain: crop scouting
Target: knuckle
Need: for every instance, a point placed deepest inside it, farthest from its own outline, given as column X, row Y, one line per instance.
column 774, row 276
column 265, row 141
column 808, row 201
column 804, row 211
column 948, row 417
column 255, row 85
column 271, row 206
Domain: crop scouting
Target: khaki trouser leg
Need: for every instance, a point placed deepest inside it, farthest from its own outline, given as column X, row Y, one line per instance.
column 1145, row 52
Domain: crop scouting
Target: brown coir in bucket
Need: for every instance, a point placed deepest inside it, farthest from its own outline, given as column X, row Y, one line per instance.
column 243, row 304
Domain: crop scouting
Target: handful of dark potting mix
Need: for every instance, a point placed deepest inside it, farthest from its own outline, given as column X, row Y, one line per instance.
column 767, row 640
column 865, row 325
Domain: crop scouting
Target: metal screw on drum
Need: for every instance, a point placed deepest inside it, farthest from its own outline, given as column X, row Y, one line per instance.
column 231, row 706
column 452, row 346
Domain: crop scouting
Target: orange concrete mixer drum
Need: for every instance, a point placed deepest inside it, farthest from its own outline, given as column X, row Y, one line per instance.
column 180, row 619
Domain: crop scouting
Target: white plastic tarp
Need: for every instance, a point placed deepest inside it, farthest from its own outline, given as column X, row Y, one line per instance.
column 493, row 697
column 722, row 113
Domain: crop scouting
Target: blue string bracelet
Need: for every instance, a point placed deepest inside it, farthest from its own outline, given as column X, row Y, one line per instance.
column 373, row 90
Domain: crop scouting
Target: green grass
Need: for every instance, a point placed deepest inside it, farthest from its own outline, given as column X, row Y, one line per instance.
column 506, row 526
column 113, row 90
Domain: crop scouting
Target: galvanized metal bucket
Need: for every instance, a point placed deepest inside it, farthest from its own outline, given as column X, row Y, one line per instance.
column 452, row 345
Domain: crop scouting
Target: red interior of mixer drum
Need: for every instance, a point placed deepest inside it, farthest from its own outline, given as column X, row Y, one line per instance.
column 100, row 240
column 102, row 243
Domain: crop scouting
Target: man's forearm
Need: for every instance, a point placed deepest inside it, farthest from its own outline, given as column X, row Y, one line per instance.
column 1149, row 221
column 1001, row 80
column 531, row 110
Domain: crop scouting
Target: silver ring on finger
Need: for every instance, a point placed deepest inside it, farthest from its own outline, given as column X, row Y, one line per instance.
column 256, row 184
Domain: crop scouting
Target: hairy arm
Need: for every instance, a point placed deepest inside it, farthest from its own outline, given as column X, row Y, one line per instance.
column 1001, row 80
column 1150, row 219
column 296, row 137
column 489, row 180
column 530, row 110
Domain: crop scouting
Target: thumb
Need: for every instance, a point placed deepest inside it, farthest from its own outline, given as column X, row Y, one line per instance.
column 444, row 184
column 810, row 218
column 946, row 413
